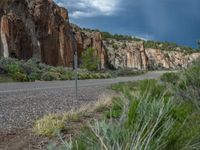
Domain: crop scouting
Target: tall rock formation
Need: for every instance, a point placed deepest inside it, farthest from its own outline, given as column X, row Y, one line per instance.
column 126, row 54
column 86, row 39
column 163, row 59
column 37, row 28
column 132, row 54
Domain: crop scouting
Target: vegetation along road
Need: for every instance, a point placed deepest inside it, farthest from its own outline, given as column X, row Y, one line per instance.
column 22, row 103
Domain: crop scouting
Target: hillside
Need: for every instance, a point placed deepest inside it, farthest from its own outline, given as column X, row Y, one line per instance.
column 125, row 51
column 42, row 30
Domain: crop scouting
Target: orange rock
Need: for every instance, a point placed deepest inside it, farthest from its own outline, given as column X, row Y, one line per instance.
column 36, row 28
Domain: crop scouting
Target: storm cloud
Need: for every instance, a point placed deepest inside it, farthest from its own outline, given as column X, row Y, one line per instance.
column 164, row 20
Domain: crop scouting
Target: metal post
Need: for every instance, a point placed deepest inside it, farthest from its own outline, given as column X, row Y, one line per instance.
column 76, row 74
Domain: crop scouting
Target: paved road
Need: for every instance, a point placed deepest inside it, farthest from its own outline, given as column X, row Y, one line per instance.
column 22, row 103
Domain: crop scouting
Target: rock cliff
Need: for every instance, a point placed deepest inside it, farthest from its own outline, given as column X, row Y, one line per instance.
column 132, row 54
column 126, row 54
column 35, row 28
column 159, row 59
column 86, row 39
column 40, row 28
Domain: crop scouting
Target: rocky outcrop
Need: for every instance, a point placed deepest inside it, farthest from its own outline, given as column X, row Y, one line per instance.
column 126, row 54
column 36, row 28
column 159, row 59
column 132, row 54
column 86, row 39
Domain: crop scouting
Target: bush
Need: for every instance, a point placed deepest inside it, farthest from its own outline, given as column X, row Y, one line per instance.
column 83, row 76
column 49, row 76
column 34, row 76
column 115, row 46
column 67, row 75
column 90, row 60
column 18, row 76
column 171, row 77
column 188, row 87
column 33, row 69
column 14, row 68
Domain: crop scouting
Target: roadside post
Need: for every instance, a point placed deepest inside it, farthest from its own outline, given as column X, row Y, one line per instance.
column 76, row 74
column 75, row 64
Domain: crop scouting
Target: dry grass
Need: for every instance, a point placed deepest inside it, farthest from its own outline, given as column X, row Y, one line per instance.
column 105, row 101
column 51, row 124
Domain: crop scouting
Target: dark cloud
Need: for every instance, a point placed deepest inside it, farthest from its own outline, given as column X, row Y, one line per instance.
column 165, row 20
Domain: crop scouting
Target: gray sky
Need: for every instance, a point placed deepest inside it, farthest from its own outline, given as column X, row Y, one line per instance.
column 164, row 20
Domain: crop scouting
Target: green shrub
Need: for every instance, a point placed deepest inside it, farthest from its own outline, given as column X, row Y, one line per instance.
column 33, row 69
column 90, row 60
column 116, row 108
column 67, row 75
column 115, row 46
column 18, row 76
column 31, row 66
column 49, row 76
column 34, row 76
column 14, row 68
column 83, row 76
column 60, row 70
column 124, row 45
column 171, row 77
column 188, row 87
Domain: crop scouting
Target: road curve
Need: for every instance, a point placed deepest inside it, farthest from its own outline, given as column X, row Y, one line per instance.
column 22, row 103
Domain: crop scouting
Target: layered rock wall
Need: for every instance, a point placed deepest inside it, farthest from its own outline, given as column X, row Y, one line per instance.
column 126, row 54
column 86, row 39
column 159, row 59
column 36, row 28
column 132, row 54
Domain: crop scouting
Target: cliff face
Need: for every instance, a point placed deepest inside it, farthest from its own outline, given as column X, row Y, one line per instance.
column 36, row 28
column 86, row 39
column 132, row 54
column 158, row 59
column 126, row 54
column 40, row 28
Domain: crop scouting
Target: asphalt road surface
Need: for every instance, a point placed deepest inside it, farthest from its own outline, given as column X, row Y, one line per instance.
column 22, row 103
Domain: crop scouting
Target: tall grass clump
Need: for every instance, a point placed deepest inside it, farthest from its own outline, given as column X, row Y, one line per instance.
column 188, row 87
column 170, row 77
